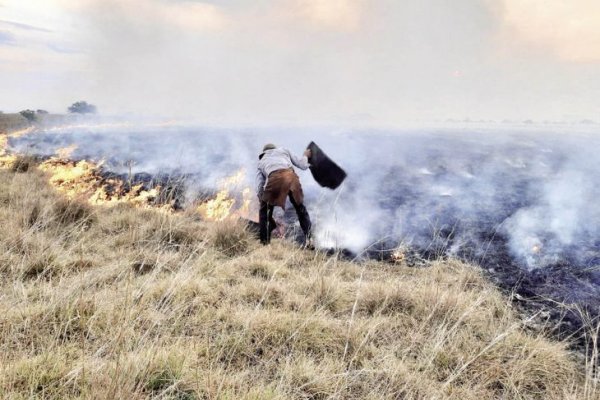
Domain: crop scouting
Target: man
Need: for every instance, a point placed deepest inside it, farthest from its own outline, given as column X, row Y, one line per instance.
column 276, row 180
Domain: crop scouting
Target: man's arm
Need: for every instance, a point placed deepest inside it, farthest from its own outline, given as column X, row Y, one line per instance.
column 300, row 162
column 260, row 182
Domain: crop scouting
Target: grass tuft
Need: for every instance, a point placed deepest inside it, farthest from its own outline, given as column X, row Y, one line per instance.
column 230, row 237
column 24, row 163
column 67, row 212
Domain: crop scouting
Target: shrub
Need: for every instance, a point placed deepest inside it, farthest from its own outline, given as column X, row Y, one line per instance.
column 82, row 107
column 23, row 163
column 29, row 115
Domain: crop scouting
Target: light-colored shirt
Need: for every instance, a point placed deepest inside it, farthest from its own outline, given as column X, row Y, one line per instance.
column 274, row 160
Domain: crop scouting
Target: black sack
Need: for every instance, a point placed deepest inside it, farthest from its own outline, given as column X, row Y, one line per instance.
column 326, row 172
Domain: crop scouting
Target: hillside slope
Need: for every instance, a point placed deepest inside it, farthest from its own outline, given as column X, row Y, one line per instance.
column 121, row 302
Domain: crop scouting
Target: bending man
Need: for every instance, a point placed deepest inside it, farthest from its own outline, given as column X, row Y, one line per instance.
column 276, row 180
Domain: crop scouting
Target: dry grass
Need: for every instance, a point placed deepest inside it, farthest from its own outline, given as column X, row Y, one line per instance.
column 126, row 303
column 12, row 122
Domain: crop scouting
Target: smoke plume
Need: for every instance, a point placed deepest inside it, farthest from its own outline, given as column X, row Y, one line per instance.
column 440, row 190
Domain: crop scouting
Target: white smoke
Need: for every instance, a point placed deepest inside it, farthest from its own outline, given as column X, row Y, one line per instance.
column 566, row 216
column 439, row 190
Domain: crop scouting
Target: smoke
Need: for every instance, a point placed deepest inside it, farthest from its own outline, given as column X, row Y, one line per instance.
column 565, row 220
column 567, row 29
column 475, row 194
column 261, row 61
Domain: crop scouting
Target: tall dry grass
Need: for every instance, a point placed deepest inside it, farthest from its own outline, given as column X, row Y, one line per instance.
column 126, row 303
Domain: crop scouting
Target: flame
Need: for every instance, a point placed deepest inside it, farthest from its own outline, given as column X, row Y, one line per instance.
column 21, row 132
column 83, row 180
column 101, row 125
column 7, row 159
column 223, row 206
column 66, row 152
column 218, row 208
column 234, row 180
column 398, row 256
column 244, row 210
column 71, row 178
column 111, row 125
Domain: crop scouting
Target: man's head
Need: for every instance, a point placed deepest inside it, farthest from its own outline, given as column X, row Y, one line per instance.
column 268, row 146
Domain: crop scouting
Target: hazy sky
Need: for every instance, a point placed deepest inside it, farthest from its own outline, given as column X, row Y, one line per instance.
column 305, row 61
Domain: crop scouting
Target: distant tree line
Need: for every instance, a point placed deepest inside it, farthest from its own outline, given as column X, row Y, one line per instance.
column 29, row 115
column 79, row 107
column 82, row 107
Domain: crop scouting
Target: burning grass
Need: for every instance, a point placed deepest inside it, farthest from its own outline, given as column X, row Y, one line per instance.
column 82, row 180
column 87, row 181
column 124, row 302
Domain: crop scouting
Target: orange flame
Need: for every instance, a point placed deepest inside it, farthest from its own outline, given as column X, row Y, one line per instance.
column 223, row 206
column 7, row 159
column 66, row 152
column 82, row 179
column 218, row 208
column 398, row 256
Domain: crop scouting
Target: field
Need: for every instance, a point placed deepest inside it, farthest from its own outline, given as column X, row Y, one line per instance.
column 122, row 302
column 12, row 122
column 127, row 302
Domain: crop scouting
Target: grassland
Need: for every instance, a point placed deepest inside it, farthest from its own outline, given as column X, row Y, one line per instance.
column 11, row 122
column 129, row 303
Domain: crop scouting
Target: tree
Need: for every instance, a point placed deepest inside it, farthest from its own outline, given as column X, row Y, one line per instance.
column 28, row 114
column 41, row 112
column 82, row 107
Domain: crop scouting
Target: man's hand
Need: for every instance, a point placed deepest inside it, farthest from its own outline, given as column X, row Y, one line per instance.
column 307, row 153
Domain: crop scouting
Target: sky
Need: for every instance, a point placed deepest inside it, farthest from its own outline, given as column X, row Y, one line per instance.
column 304, row 61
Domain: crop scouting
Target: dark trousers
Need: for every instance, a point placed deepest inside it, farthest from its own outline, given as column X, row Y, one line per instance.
column 267, row 223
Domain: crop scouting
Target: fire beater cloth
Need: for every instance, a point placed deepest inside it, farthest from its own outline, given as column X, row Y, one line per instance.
column 326, row 172
column 281, row 183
